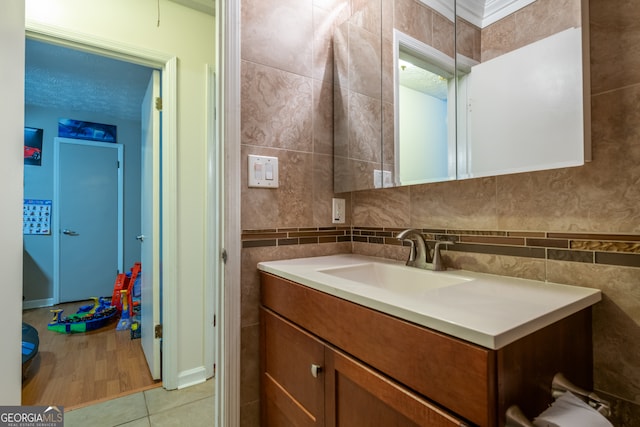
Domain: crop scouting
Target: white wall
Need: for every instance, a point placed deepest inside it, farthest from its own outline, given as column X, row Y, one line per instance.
column 11, row 167
column 423, row 137
column 189, row 35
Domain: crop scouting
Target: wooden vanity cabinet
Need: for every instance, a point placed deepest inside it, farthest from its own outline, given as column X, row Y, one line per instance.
column 340, row 392
column 378, row 370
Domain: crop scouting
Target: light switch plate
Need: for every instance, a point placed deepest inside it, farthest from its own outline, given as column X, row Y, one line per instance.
column 263, row 171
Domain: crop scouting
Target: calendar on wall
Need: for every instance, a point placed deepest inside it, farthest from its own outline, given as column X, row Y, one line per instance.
column 36, row 217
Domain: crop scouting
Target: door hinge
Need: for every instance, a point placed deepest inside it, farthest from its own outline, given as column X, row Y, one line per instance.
column 159, row 104
column 224, row 256
column 214, row 369
column 117, row 164
column 214, row 320
column 158, row 331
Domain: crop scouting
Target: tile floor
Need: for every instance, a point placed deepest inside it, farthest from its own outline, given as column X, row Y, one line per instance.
column 191, row 406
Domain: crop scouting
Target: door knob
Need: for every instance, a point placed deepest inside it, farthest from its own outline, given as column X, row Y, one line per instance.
column 69, row 232
column 315, row 370
column 140, row 237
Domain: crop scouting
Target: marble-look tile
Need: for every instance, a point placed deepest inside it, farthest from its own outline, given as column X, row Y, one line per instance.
column 498, row 38
column 340, row 121
column 444, row 38
column 249, row 364
column 601, row 196
column 388, row 136
column 342, row 175
column 353, row 175
column 364, row 62
column 325, row 23
column 415, row 19
column 110, row 413
column 323, row 117
column 382, row 208
column 615, row 44
column 365, row 130
column 323, row 59
column 278, row 34
column 367, row 14
column 276, row 108
column 286, row 205
column 534, row 22
column 387, row 69
column 615, row 322
column 194, row 414
column 322, row 189
column 368, row 249
column 456, row 204
column 159, row 400
column 543, row 18
column 250, row 283
column 396, row 252
column 524, row 268
column 340, row 50
column 387, row 18
column 331, row 5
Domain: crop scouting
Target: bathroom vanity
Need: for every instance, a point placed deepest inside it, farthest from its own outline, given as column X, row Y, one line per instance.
column 458, row 348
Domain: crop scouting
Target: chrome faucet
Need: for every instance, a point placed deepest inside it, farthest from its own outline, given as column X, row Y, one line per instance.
column 420, row 255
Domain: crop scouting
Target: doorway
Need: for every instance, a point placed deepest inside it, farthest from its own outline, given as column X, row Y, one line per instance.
column 133, row 188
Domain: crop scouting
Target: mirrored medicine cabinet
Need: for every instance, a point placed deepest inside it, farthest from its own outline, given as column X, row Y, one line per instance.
column 437, row 90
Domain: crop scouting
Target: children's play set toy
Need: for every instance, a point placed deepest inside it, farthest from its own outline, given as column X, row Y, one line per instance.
column 124, row 302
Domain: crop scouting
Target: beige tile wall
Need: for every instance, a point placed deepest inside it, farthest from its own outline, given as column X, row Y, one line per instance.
column 287, row 112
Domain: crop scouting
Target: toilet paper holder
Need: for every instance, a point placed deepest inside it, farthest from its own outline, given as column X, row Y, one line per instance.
column 559, row 385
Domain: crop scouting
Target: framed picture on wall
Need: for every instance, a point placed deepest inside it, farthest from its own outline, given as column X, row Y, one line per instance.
column 78, row 129
column 33, row 146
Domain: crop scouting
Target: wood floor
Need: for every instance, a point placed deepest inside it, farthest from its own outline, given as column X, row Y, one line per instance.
column 72, row 370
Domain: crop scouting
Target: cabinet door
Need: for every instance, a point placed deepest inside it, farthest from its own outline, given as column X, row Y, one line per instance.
column 292, row 391
column 358, row 396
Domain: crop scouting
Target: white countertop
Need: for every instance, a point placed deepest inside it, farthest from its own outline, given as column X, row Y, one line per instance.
column 488, row 310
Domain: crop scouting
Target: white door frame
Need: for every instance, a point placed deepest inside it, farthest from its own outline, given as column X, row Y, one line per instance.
column 168, row 64
column 55, row 229
column 227, row 403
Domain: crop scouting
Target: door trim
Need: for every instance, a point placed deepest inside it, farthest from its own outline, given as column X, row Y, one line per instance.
column 168, row 64
column 56, row 205
column 212, row 270
column 227, row 403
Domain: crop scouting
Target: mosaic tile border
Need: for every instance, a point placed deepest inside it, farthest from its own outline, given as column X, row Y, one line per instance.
column 610, row 249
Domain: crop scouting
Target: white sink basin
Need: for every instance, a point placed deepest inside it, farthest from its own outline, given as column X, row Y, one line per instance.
column 409, row 281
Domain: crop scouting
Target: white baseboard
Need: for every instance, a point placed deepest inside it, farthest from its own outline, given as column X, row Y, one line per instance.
column 192, row 377
column 37, row 303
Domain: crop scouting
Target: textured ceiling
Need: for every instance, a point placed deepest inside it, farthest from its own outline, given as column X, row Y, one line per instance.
column 62, row 78
column 422, row 80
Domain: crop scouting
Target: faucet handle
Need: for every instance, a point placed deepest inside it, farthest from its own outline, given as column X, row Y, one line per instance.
column 438, row 265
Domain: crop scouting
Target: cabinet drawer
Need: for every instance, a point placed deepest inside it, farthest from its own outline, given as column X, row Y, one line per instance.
column 293, row 396
column 455, row 374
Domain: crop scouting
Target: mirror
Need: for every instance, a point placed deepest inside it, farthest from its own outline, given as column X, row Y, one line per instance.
column 448, row 93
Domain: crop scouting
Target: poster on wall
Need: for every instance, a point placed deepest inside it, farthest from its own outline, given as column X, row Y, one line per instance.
column 78, row 129
column 36, row 216
column 33, row 146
